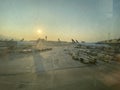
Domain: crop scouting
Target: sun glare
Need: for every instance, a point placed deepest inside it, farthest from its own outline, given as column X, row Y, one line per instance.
column 39, row 31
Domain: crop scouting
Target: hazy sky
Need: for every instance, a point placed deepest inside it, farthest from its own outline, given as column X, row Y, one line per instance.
column 88, row 20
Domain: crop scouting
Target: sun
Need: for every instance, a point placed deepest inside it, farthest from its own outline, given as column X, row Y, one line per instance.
column 39, row 31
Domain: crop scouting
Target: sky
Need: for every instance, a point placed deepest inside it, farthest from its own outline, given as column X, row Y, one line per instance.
column 82, row 20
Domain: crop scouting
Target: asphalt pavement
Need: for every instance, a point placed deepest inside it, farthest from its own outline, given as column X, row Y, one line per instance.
column 55, row 70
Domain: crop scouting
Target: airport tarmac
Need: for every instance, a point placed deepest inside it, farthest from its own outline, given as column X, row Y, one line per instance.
column 55, row 70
